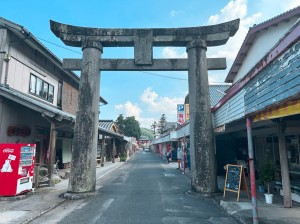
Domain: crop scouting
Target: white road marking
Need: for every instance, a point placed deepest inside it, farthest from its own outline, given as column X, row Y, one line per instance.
column 103, row 208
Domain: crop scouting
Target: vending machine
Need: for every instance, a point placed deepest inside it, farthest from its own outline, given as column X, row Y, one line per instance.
column 17, row 168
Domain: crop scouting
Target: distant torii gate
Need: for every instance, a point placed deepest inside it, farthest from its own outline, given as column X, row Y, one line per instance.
column 92, row 40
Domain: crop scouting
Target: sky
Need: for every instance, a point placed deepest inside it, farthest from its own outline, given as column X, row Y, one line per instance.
column 144, row 95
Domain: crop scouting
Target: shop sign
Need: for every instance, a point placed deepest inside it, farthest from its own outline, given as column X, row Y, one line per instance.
column 286, row 109
column 220, row 129
column 180, row 114
column 22, row 131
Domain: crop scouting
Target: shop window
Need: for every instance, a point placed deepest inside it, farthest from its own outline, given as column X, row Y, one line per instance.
column 40, row 88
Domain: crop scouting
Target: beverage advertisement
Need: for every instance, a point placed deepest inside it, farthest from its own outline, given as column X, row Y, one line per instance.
column 16, row 168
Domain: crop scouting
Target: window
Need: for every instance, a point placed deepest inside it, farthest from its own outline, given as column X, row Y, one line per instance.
column 32, row 84
column 39, row 84
column 40, row 88
column 50, row 93
column 59, row 94
column 45, row 91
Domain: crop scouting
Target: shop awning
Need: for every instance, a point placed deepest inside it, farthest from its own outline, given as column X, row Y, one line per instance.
column 46, row 110
column 288, row 108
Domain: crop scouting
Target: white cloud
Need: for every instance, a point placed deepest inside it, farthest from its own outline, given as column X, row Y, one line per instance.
column 160, row 105
column 233, row 10
column 155, row 105
column 173, row 52
column 147, row 122
column 231, row 48
column 173, row 13
column 129, row 109
column 238, row 9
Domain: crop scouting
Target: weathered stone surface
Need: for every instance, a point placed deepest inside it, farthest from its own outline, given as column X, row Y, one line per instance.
column 83, row 164
column 203, row 162
column 214, row 35
column 177, row 64
column 196, row 39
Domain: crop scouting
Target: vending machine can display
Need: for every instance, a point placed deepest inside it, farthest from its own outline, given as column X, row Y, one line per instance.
column 16, row 168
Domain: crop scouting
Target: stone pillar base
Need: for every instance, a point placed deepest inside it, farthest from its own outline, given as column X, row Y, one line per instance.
column 76, row 196
column 203, row 195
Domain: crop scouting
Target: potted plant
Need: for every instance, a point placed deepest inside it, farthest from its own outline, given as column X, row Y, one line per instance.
column 267, row 175
column 123, row 157
column 261, row 186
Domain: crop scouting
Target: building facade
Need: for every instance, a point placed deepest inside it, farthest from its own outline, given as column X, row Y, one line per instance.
column 38, row 98
column 265, row 90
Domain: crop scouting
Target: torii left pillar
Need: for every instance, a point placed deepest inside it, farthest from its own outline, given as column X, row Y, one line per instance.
column 82, row 181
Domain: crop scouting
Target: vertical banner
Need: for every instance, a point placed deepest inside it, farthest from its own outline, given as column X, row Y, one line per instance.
column 180, row 114
column 187, row 112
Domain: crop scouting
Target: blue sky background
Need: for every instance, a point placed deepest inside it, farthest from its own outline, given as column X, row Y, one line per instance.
column 142, row 94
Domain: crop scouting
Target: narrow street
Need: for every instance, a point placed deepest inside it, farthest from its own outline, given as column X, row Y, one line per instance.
column 143, row 190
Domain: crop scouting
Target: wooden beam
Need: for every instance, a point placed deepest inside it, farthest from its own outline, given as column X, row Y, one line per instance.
column 285, row 176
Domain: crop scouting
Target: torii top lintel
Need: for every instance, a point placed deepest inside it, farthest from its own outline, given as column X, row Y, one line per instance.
column 214, row 35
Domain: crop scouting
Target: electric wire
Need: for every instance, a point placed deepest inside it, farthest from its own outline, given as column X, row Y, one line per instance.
column 149, row 73
column 57, row 45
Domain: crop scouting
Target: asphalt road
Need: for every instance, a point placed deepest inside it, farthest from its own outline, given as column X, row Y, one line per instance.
column 143, row 190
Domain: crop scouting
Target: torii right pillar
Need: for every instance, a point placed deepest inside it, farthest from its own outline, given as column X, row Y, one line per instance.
column 203, row 162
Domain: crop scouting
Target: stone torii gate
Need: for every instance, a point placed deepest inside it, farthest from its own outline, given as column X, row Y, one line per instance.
column 92, row 40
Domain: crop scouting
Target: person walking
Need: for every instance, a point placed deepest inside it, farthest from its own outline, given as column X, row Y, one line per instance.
column 179, row 155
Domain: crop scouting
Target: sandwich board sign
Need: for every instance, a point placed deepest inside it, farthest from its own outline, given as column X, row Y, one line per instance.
column 235, row 180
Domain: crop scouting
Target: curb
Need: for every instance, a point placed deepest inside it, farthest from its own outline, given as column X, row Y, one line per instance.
column 45, row 211
column 64, row 198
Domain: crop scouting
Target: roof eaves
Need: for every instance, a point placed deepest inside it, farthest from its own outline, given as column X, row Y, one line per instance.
column 249, row 39
column 32, row 41
column 34, row 104
column 291, row 37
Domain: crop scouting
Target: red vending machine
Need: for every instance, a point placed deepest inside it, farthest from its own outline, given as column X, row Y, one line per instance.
column 17, row 168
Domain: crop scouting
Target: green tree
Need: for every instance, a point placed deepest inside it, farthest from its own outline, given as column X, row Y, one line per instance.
column 132, row 127
column 120, row 122
column 154, row 127
column 161, row 124
column 147, row 132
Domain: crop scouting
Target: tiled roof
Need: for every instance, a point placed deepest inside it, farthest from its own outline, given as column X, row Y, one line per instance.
column 217, row 92
column 107, row 124
column 32, row 103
